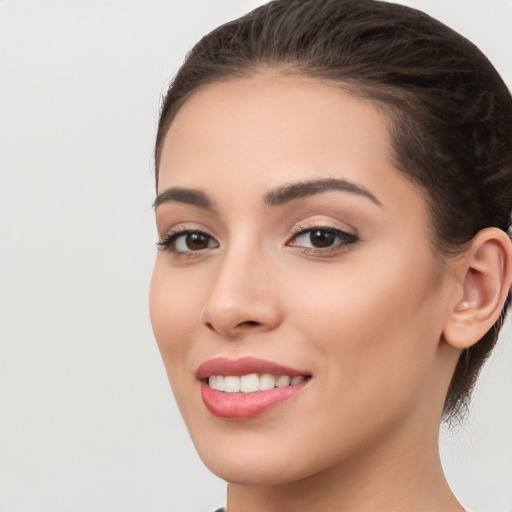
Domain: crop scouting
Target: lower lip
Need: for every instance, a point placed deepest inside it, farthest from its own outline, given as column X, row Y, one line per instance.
column 241, row 406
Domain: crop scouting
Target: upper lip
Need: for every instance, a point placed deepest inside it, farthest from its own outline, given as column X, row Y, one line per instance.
column 244, row 366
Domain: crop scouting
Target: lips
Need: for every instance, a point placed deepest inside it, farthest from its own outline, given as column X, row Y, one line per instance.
column 247, row 387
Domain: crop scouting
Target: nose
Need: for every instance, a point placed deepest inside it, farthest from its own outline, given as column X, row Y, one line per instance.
column 243, row 297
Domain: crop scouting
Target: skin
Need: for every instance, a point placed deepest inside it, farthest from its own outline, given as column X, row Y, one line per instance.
column 365, row 319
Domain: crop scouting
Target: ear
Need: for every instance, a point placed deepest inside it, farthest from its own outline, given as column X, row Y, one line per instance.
column 484, row 276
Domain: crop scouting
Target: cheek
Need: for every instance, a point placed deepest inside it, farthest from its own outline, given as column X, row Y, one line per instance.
column 371, row 321
column 173, row 309
column 172, row 306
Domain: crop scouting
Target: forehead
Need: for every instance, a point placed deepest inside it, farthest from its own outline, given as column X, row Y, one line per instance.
column 273, row 122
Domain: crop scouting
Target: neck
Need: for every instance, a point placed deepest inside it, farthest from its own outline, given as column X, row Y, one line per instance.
column 403, row 475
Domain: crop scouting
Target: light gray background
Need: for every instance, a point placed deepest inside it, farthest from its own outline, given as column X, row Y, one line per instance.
column 87, row 420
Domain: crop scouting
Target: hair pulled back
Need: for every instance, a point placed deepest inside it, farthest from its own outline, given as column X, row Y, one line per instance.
column 450, row 113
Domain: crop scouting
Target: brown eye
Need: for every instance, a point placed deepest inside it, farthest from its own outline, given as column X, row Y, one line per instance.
column 320, row 238
column 197, row 241
column 192, row 241
column 187, row 242
column 323, row 240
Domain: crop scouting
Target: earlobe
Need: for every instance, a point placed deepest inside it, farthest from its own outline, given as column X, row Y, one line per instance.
column 484, row 273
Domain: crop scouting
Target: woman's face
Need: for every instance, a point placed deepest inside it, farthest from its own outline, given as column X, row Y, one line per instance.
column 291, row 247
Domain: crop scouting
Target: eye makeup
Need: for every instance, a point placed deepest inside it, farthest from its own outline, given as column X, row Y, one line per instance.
column 185, row 242
column 321, row 240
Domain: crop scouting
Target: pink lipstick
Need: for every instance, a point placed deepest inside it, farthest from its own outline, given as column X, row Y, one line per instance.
column 247, row 387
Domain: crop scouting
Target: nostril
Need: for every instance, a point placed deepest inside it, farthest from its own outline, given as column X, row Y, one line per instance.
column 246, row 324
column 249, row 323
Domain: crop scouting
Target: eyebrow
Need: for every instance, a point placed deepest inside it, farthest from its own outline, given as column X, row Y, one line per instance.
column 276, row 197
column 303, row 189
column 184, row 195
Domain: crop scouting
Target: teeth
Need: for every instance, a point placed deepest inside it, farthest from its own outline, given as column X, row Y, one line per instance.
column 283, row 381
column 249, row 383
column 252, row 382
column 267, row 382
column 218, row 382
column 231, row 384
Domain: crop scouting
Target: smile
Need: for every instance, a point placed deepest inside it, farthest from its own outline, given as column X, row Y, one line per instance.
column 252, row 382
column 245, row 388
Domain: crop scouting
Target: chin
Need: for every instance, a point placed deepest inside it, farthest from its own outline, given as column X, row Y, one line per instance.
column 258, row 470
column 264, row 457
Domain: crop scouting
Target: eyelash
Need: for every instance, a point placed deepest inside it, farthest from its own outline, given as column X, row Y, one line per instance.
column 166, row 243
column 345, row 239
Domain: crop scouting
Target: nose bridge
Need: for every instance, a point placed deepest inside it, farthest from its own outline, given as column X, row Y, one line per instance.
column 241, row 295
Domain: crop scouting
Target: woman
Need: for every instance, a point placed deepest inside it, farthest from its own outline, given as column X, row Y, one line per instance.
column 333, row 199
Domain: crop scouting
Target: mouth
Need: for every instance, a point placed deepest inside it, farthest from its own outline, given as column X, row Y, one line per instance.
column 252, row 382
column 247, row 387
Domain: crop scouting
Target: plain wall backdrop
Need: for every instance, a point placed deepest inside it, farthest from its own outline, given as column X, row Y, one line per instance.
column 87, row 418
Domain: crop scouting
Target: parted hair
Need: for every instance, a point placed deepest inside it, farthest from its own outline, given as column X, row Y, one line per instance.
column 449, row 111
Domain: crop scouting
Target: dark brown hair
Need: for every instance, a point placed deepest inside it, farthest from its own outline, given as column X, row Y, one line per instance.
column 450, row 112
